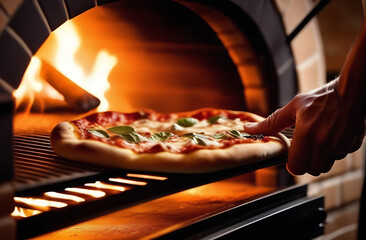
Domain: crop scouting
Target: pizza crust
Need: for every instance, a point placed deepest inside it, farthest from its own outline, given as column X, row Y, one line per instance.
column 65, row 142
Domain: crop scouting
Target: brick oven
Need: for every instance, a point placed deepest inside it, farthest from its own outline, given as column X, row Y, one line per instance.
column 229, row 50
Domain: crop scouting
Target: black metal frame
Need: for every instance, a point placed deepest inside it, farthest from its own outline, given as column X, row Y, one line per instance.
column 285, row 214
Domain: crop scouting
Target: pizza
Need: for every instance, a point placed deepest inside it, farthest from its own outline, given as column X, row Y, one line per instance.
column 199, row 141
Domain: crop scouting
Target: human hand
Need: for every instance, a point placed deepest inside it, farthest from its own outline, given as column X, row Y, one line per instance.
column 326, row 130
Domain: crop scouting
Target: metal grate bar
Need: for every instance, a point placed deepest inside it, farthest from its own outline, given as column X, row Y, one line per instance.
column 28, row 149
column 288, row 132
column 37, row 166
column 33, row 143
column 46, row 162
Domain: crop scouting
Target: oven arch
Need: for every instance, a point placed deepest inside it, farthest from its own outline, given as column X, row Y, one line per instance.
column 33, row 21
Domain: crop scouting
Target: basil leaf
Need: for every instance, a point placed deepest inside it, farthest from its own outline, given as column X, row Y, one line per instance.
column 214, row 119
column 161, row 136
column 246, row 135
column 221, row 136
column 200, row 141
column 189, row 135
column 99, row 133
column 187, row 122
column 197, row 138
column 235, row 133
column 133, row 137
column 121, row 129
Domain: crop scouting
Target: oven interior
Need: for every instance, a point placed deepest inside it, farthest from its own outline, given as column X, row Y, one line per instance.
column 168, row 56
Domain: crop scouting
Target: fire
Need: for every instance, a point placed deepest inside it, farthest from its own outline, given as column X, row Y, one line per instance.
column 145, row 176
column 24, row 212
column 99, row 184
column 38, row 202
column 33, row 85
column 64, row 44
column 64, row 196
column 93, row 193
column 96, row 82
column 128, row 181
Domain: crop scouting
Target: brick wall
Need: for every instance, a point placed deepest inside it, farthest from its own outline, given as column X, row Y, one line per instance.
column 342, row 190
column 319, row 49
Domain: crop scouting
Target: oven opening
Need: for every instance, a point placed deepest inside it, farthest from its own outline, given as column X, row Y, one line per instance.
column 127, row 62
column 120, row 58
column 128, row 56
column 141, row 56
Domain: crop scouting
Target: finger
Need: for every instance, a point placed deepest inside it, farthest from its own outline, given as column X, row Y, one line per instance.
column 322, row 151
column 321, row 160
column 339, row 156
column 276, row 122
column 319, row 166
column 329, row 166
column 299, row 155
column 358, row 140
column 356, row 145
column 349, row 141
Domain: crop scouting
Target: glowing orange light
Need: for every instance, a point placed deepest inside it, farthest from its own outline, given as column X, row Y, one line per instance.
column 24, row 212
column 135, row 175
column 93, row 193
column 32, row 84
column 68, row 43
column 39, row 202
column 128, row 181
column 96, row 82
column 64, row 196
column 99, row 184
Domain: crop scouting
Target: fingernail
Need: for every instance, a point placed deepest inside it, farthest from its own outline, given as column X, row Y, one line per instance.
column 250, row 124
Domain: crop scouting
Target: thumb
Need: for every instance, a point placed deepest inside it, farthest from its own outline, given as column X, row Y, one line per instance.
column 273, row 124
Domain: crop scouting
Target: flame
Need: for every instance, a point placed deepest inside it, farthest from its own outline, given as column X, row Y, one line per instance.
column 145, row 176
column 24, row 212
column 96, row 82
column 99, row 184
column 93, row 193
column 68, row 42
column 128, row 181
column 32, row 84
column 64, row 196
column 39, row 202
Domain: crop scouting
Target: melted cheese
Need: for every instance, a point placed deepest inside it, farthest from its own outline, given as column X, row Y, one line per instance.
column 145, row 125
column 177, row 142
column 222, row 126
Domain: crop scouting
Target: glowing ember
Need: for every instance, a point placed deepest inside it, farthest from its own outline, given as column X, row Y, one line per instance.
column 128, row 181
column 99, row 184
column 40, row 202
column 64, row 196
column 96, row 82
column 93, row 193
column 144, row 176
column 24, row 212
